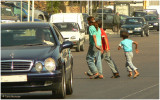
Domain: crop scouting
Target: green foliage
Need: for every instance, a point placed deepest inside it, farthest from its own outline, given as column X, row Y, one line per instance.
column 53, row 6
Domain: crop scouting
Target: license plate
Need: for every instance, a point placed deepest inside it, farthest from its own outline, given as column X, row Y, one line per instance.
column 14, row 78
column 130, row 31
column 150, row 26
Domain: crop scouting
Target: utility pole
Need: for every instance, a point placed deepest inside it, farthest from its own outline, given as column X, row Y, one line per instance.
column 21, row 10
column 88, row 7
column 32, row 10
column 91, row 7
column 102, row 14
column 28, row 10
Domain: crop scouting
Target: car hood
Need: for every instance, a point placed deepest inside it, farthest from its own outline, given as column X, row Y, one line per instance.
column 131, row 25
column 27, row 52
column 70, row 34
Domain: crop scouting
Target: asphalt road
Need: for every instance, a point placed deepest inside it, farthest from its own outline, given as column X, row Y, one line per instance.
column 146, row 86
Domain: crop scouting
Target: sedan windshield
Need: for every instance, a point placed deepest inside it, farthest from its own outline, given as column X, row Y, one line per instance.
column 151, row 18
column 67, row 26
column 134, row 21
column 26, row 37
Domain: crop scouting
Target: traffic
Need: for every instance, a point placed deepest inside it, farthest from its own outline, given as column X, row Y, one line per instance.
column 37, row 50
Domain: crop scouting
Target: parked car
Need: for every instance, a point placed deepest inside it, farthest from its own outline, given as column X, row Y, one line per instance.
column 152, row 12
column 139, row 13
column 37, row 13
column 153, row 22
column 108, row 20
column 35, row 57
column 135, row 26
column 17, row 12
column 71, row 32
column 7, row 15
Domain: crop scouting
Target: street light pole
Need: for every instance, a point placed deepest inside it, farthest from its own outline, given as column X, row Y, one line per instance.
column 102, row 14
column 91, row 8
column 32, row 10
column 21, row 10
column 28, row 10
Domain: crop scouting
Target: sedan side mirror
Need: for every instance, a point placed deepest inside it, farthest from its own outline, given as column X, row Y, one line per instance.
column 66, row 44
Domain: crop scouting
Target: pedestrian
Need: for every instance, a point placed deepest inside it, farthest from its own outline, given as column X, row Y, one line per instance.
column 94, row 50
column 106, row 54
column 116, row 21
column 126, row 44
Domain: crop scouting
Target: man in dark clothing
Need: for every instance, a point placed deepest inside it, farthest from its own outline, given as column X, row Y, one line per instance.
column 116, row 21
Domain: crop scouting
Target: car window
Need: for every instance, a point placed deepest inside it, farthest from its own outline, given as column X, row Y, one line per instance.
column 18, row 11
column 134, row 21
column 6, row 12
column 66, row 27
column 31, row 36
column 151, row 18
column 59, row 35
column 109, row 17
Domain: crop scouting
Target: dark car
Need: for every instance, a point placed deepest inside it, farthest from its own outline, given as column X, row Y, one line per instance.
column 135, row 26
column 139, row 13
column 7, row 15
column 108, row 20
column 17, row 11
column 153, row 22
column 152, row 12
column 35, row 57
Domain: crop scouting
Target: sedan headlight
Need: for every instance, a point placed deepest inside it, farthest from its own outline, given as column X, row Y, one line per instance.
column 155, row 24
column 137, row 29
column 50, row 64
column 38, row 67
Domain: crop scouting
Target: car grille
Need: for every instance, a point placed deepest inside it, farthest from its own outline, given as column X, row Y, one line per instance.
column 130, row 28
column 16, row 65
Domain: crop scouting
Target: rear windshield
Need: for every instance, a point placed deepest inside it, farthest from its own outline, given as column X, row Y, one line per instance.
column 104, row 10
column 67, row 27
column 139, row 14
column 151, row 18
column 26, row 37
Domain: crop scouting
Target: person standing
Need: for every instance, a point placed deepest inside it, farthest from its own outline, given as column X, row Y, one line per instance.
column 126, row 44
column 94, row 50
column 106, row 54
column 116, row 21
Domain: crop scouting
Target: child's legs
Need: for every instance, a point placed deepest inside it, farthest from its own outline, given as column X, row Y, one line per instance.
column 129, row 56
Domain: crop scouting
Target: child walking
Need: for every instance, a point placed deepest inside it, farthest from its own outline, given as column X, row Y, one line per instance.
column 126, row 44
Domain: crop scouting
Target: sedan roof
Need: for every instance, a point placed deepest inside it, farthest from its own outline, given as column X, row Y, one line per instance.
column 25, row 25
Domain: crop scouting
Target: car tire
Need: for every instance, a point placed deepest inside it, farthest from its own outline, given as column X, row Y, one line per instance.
column 158, row 29
column 147, row 34
column 40, row 17
column 82, row 47
column 78, row 47
column 61, row 91
column 69, row 86
column 142, row 34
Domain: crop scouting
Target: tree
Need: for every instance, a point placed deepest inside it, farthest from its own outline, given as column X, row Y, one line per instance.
column 53, row 6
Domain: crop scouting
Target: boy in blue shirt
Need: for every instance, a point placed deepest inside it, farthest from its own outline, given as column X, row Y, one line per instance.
column 126, row 44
